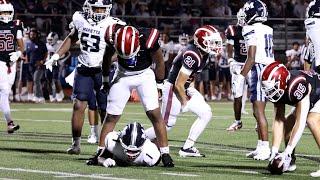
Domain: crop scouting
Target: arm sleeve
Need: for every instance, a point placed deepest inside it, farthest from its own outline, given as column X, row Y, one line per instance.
column 230, row 34
column 152, row 42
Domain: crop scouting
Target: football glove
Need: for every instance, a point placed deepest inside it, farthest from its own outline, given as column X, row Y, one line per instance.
column 14, row 56
column 237, row 85
column 109, row 163
column 54, row 58
column 274, row 152
column 285, row 160
column 105, row 85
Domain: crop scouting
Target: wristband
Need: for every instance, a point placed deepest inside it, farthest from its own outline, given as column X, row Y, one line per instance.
column 105, row 79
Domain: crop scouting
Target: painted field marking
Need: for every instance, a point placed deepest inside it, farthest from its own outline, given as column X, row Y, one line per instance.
column 62, row 174
column 249, row 172
column 179, row 174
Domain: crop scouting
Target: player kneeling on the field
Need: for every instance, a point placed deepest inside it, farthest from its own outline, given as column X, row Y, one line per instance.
column 129, row 147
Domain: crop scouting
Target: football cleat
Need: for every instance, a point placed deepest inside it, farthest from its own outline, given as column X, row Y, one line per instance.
column 263, row 154
column 252, row 153
column 190, row 152
column 92, row 139
column 315, row 174
column 167, row 160
column 12, row 128
column 235, row 126
column 74, row 150
column 93, row 161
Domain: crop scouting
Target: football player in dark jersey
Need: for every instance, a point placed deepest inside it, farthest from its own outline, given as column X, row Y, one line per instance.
column 300, row 89
column 237, row 55
column 136, row 50
column 178, row 96
column 11, row 48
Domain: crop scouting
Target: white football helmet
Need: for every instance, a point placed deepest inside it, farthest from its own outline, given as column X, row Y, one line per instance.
column 91, row 6
column 6, row 7
column 52, row 38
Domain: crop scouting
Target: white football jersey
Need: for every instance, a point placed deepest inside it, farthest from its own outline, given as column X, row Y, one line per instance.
column 167, row 49
column 92, row 38
column 261, row 36
column 313, row 31
column 53, row 49
column 178, row 47
column 149, row 155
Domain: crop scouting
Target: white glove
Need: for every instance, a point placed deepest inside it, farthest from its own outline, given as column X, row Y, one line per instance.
column 237, row 85
column 14, row 56
column 109, row 163
column 285, row 160
column 160, row 86
column 274, row 151
column 54, row 58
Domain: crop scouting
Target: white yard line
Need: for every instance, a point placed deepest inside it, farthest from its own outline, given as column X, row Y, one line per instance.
column 179, row 174
column 62, row 174
column 249, row 172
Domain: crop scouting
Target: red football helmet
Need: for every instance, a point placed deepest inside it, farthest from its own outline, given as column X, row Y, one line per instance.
column 127, row 42
column 274, row 80
column 208, row 39
column 6, row 11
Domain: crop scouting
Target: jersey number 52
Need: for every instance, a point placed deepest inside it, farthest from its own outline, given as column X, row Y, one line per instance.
column 89, row 42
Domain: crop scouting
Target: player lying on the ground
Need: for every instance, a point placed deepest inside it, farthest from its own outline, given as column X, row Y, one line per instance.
column 129, row 147
column 295, row 88
column 179, row 97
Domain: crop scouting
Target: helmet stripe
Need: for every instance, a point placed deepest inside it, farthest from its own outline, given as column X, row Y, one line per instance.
column 134, row 134
column 123, row 39
column 133, row 40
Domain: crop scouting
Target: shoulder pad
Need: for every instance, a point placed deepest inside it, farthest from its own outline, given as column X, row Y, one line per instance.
column 152, row 38
column 297, row 88
column 191, row 59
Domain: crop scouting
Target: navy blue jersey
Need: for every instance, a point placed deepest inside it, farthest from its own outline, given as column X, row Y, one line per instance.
column 234, row 36
column 149, row 42
column 298, row 88
column 191, row 59
column 9, row 33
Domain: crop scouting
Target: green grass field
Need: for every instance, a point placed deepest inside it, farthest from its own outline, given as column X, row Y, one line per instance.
column 38, row 149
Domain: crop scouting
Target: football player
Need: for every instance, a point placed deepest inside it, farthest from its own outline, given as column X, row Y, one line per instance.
column 312, row 25
column 259, row 42
column 301, row 90
column 88, row 26
column 179, row 97
column 53, row 43
column 237, row 55
column 136, row 50
column 11, row 49
column 167, row 48
column 182, row 43
column 129, row 147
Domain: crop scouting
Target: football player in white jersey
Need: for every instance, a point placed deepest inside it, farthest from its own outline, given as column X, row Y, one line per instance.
column 11, row 32
column 167, row 48
column 312, row 24
column 53, row 43
column 259, row 41
column 183, row 41
column 129, row 147
column 88, row 26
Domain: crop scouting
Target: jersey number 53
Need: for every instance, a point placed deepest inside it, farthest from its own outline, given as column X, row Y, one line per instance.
column 89, row 42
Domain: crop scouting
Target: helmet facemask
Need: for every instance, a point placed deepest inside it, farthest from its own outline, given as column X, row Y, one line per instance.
column 272, row 90
column 99, row 12
column 213, row 43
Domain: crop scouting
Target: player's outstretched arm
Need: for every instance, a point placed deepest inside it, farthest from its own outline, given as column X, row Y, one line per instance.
column 160, row 67
column 302, row 110
column 277, row 128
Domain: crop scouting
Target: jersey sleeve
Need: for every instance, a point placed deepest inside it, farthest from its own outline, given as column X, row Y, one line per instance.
column 191, row 60
column 249, row 35
column 75, row 24
column 230, row 34
column 298, row 89
column 152, row 42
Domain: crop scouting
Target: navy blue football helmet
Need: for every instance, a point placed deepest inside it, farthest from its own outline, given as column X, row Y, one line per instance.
column 253, row 11
column 132, row 138
column 313, row 10
column 92, row 9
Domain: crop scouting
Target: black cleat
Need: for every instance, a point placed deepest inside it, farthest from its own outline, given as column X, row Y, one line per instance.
column 93, row 161
column 167, row 160
column 12, row 128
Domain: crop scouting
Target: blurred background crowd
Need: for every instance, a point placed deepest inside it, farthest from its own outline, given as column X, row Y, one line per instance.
column 176, row 19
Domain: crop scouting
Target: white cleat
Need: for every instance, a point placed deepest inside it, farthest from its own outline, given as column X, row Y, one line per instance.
column 235, row 126
column 92, row 139
column 263, row 154
column 315, row 174
column 190, row 152
column 252, row 153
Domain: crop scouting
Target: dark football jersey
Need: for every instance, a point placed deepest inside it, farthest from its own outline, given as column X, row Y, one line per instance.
column 191, row 59
column 298, row 87
column 234, row 33
column 8, row 38
column 149, row 42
